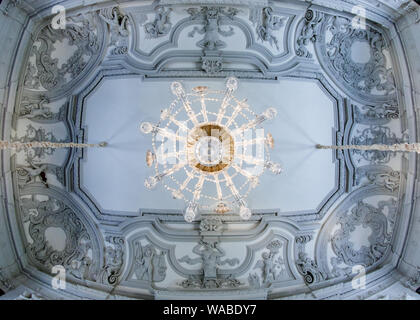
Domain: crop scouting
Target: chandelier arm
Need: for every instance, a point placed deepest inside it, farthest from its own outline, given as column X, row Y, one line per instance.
column 204, row 109
column 187, row 106
column 231, row 86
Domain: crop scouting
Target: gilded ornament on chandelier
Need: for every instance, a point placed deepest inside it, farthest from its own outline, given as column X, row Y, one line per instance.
column 270, row 140
column 150, row 158
column 221, row 208
column 200, row 89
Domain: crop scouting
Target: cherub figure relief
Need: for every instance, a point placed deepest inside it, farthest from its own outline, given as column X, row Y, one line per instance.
column 149, row 265
column 161, row 25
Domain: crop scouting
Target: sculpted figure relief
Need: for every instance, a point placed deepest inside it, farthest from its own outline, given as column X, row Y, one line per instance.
column 212, row 19
column 118, row 27
column 32, row 173
column 31, row 110
column 117, row 23
column 149, row 265
column 210, row 254
column 37, row 172
column 267, row 25
column 161, row 25
column 271, row 266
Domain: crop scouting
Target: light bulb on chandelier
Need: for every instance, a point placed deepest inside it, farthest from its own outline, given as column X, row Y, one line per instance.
column 245, row 213
column 190, row 212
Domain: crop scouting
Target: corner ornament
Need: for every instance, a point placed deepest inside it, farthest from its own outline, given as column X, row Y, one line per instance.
column 368, row 73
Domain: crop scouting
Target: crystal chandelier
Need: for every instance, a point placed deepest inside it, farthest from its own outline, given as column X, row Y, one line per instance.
column 209, row 149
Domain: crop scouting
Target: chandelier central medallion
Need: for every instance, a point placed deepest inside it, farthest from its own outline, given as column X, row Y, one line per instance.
column 209, row 149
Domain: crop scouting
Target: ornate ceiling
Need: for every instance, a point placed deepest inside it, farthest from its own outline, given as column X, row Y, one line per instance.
column 329, row 218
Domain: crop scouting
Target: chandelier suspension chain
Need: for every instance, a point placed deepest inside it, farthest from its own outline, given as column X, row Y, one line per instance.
column 401, row 147
column 47, row 144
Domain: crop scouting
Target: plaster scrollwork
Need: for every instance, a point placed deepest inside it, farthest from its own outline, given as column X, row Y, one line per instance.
column 211, row 64
column 28, row 295
column 382, row 176
column 4, row 282
column 31, row 79
column 414, row 281
column 302, row 240
column 149, row 265
column 37, row 111
column 376, row 115
column 47, row 73
column 210, row 257
column 114, row 260
column 367, row 216
column 161, row 24
column 400, row 296
column 376, row 135
column 31, row 174
column 306, row 266
column 118, row 27
column 211, row 224
column 11, row 4
column 271, row 267
column 33, row 134
column 267, row 23
column 77, row 255
column 212, row 20
column 310, row 33
column 309, row 269
column 35, row 172
column 338, row 268
column 369, row 74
